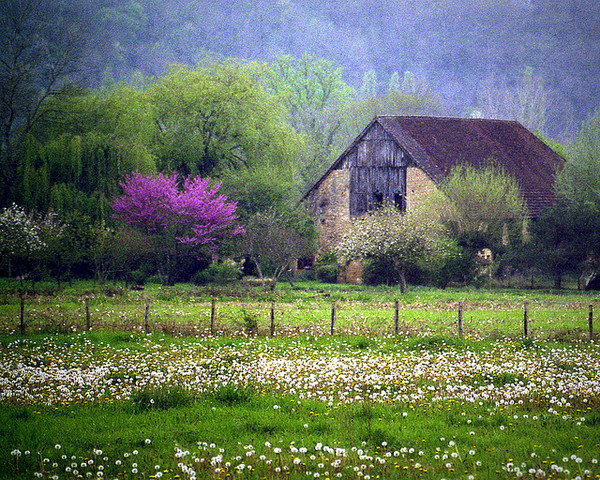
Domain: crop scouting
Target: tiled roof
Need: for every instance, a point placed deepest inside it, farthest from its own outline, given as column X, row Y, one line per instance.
column 437, row 144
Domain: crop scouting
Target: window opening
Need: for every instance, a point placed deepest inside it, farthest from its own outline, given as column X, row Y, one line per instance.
column 400, row 201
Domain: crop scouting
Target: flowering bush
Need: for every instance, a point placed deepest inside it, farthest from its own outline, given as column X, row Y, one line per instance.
column 189, row 213
column 196, row 214
column 400, row 238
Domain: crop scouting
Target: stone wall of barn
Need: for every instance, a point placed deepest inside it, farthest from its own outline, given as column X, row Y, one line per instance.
column 330, row 208
column 418, row 185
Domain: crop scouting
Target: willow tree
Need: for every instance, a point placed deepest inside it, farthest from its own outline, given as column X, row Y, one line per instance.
column 74, row 164
column 218, row 116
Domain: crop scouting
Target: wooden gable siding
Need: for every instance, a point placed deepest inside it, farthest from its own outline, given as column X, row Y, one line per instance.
column 377, row 164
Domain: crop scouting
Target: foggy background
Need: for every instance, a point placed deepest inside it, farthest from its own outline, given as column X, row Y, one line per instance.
column 472, row 55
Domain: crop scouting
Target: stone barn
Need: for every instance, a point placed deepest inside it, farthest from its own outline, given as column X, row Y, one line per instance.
column 400, row 159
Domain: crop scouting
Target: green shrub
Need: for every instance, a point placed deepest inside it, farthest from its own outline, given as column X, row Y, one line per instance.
column 218, row 273
column 380, row 272
column 361, row 343
column 156, row 279
column 326, row 268
column 139, row 277
column 250, row 321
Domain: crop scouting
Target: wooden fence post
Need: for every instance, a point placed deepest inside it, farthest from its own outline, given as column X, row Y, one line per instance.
column 332, row 318
column 212, row 316
column 87, row 313
column 460, row 319
column 591, row 322
column 22, row 317
column 396, row 317
column 526, row 320
column 272, row 318
column 146, row 315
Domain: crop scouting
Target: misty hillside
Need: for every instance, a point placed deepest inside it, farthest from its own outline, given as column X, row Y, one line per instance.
column 470, row 54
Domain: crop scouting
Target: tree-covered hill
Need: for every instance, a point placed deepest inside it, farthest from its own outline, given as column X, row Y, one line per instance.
column 464, row 51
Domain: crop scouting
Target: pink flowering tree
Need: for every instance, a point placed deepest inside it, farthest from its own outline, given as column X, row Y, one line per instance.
column 181, row 217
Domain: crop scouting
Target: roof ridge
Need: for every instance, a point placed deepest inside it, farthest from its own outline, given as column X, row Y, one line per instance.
column 445, row 117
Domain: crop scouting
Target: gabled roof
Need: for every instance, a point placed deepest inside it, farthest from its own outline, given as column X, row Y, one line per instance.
column 437, row 144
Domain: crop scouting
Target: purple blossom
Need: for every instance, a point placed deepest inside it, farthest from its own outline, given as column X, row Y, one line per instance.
column 196, row 214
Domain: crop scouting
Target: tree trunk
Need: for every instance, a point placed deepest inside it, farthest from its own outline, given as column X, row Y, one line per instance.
column 558, row 280
column 532, row 283
column 402, row 280
column 260, row 274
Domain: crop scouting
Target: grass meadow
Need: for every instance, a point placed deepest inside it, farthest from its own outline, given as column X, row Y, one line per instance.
column 179, row 402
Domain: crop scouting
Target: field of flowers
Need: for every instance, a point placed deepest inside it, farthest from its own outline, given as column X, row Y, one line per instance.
column 129, row 405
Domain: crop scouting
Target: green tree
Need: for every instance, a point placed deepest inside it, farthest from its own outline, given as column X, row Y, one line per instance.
column 34, row 66
column 566, row 238
column 93, row 139
column 278, row 238
column 579, row 181
column 218, row 116
column 314, row 93
column 481, row 206
column 570, row 235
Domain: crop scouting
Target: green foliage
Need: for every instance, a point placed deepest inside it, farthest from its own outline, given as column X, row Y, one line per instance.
column 579, row 181
column 381, row 271
column 218, row 116
column 480, row 207
column 222, row 273
column 554, row 145
column 314, row 93
column 569, row 237
column 80, row 158
column 250, row 322
column 566, row 239
column 326, row 268
column 259, row 189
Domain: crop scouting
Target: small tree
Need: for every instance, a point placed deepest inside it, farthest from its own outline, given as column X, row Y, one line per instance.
column 567, row 240
column 402, row 239
column 178, row 216
column 279, row 238
column 481, row 207
column 570, row 233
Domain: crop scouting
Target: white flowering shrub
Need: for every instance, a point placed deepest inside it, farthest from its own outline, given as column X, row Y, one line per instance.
column 387, row 234
column 19, row 232
column 24, row 237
